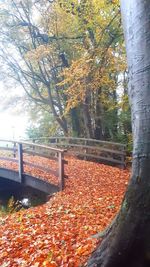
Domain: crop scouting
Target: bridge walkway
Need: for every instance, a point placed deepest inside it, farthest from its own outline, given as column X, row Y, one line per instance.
column 38, row 166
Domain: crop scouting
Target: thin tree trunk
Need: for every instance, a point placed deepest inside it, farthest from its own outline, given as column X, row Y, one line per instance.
column 87, row 119
column 60, row 121
column 76, row 128
column 98, row 132
column 86, row 112
column 127, row 242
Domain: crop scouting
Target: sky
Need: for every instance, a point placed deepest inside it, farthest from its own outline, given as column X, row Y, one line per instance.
column 12, row 126
column 13, row 120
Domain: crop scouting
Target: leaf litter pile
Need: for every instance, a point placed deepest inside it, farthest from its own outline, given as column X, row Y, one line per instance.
column 60, row 232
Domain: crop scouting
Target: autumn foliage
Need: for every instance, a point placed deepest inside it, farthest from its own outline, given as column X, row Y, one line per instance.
column 60, row 232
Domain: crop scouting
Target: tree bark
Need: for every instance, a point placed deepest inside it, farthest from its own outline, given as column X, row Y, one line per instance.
column 75, row 119
column 86, row 112
column 98, row 131
column 87, row 119
column 127, row 242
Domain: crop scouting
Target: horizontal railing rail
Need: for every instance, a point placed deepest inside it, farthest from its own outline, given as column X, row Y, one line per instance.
column 102, row 142
column 14, row 151
column 103, row 151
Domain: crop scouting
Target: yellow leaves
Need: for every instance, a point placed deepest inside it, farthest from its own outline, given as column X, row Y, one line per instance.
column 115, row 2
column 76, row 81
column 78, row 71
column 87, row 74
column 62, row 21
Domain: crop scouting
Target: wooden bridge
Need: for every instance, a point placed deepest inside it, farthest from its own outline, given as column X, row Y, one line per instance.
column 19, row 163
column 22, row 161
column 89, row 149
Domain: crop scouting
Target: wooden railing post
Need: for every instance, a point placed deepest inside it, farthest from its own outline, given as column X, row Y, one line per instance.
column 14, row 150
column 61, row 171
column 33, row 148
column 123, row 158
column 20, row 162
column 85, row 150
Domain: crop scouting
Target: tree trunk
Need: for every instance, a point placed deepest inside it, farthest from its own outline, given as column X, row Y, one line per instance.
column 127, row 242
column 98, row 133
column 87, row 115
column 75, row 119
column 87, row 119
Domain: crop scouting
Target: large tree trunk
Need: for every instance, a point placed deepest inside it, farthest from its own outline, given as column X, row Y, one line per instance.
column 127, row 242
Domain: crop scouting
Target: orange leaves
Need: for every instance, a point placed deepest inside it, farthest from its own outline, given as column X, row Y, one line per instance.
column 60, row 232
column 85, row 250
column 50, row 264
column 37, row 172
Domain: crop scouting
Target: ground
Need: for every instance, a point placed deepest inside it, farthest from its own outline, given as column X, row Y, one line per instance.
column 60, row 232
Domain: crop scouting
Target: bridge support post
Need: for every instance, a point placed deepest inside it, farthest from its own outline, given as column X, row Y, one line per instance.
column 61, row 171
column 20, row 162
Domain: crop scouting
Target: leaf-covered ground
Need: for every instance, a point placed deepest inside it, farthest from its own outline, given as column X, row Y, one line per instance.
column 59, row 233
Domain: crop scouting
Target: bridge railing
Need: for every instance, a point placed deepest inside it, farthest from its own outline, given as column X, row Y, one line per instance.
column 20, row 152
column 102, row 151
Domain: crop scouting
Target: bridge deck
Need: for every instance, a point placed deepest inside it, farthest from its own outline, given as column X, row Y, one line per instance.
column 16, row 156
column 23, row 155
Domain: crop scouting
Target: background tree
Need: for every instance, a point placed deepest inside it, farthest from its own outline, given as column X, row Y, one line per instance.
column 93, row 77
column 41, row 124
column 32, row 65
column 69, row 57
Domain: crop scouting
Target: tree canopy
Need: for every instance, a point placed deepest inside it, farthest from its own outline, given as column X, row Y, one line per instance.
column 69, row 57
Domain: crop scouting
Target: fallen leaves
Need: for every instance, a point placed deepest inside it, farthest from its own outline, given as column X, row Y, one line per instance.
column 59, row 233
